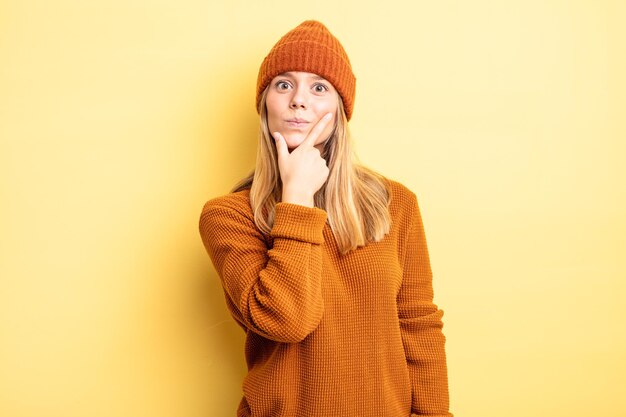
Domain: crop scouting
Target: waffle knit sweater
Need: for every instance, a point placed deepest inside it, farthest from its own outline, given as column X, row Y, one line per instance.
column 330, row 335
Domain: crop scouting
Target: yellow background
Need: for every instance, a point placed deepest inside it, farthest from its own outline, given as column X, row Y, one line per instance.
column 119, row 119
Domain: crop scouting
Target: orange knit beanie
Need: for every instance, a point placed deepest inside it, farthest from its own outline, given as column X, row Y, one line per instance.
column 310, row 47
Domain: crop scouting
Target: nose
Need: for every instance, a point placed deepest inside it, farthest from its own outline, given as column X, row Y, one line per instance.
column 295, row 104
column 298, row 100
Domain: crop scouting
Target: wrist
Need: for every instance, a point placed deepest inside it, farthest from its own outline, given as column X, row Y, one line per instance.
column 300, row 198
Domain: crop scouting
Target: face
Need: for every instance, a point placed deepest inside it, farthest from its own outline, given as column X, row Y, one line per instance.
column 295, row 102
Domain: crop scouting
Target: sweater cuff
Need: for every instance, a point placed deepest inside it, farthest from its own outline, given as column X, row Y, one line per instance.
column 298, row 222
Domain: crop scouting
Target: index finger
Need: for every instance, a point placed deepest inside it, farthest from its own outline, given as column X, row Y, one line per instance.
column 317, row 130
column 281, row 145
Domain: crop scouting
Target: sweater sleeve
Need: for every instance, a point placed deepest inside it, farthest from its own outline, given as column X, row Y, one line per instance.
column 421, row 325
column 274, row 292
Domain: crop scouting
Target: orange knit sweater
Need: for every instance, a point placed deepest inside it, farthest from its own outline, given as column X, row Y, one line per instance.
column 330, row 335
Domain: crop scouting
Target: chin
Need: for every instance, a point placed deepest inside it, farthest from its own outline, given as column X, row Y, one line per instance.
column 294, row 141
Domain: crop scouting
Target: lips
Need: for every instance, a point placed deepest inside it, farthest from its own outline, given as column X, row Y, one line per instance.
column 296, row 122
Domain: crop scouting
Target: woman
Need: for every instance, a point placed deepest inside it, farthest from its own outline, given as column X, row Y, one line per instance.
column 324, row 262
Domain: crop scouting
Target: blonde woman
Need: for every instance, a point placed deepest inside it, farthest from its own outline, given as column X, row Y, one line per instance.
column 324, row 262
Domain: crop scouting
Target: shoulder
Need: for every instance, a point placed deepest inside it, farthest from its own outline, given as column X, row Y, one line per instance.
column 404, row 210
column 231, row 205
column 398, row 195
column 401, row 198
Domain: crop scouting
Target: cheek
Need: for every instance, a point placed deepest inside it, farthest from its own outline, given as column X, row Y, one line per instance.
column 271, row 121
column 321, row 109
column 272, row 114
column 272, row 104
column 327, row 131
column 328, row 105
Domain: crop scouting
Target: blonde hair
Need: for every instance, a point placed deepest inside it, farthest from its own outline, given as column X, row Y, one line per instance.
column 355, row 197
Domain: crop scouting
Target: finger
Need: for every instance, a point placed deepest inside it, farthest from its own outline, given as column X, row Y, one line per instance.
column 281, row 145
column 317, row 130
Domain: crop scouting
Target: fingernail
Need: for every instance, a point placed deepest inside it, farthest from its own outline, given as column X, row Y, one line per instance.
column 327, row 116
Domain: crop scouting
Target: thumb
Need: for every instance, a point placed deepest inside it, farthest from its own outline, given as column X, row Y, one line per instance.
column 281, row 145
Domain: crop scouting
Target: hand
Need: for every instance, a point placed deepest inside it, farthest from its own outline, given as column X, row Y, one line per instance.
column 303, row 171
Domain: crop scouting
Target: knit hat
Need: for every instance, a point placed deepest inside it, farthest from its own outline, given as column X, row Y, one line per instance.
column 310, row 47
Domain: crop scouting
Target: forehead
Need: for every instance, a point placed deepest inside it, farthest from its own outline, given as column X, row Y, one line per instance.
column 301, row 74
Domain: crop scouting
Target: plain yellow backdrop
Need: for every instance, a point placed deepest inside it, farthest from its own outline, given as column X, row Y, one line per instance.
column 119, row 119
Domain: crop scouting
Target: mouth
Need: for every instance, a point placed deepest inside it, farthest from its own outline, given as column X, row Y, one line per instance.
column 296, row 122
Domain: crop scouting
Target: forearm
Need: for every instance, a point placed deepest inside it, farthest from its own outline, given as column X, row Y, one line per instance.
column 424, row 344
column 274, row 292
column 284, row 303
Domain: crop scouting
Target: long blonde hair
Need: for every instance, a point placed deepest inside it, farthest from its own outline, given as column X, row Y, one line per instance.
column 355, row 197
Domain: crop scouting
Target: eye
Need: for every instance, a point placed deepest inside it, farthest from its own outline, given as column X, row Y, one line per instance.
column 282, row 85
column 320, row 88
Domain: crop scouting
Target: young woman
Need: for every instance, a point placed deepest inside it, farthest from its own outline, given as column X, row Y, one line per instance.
column 324, row 262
